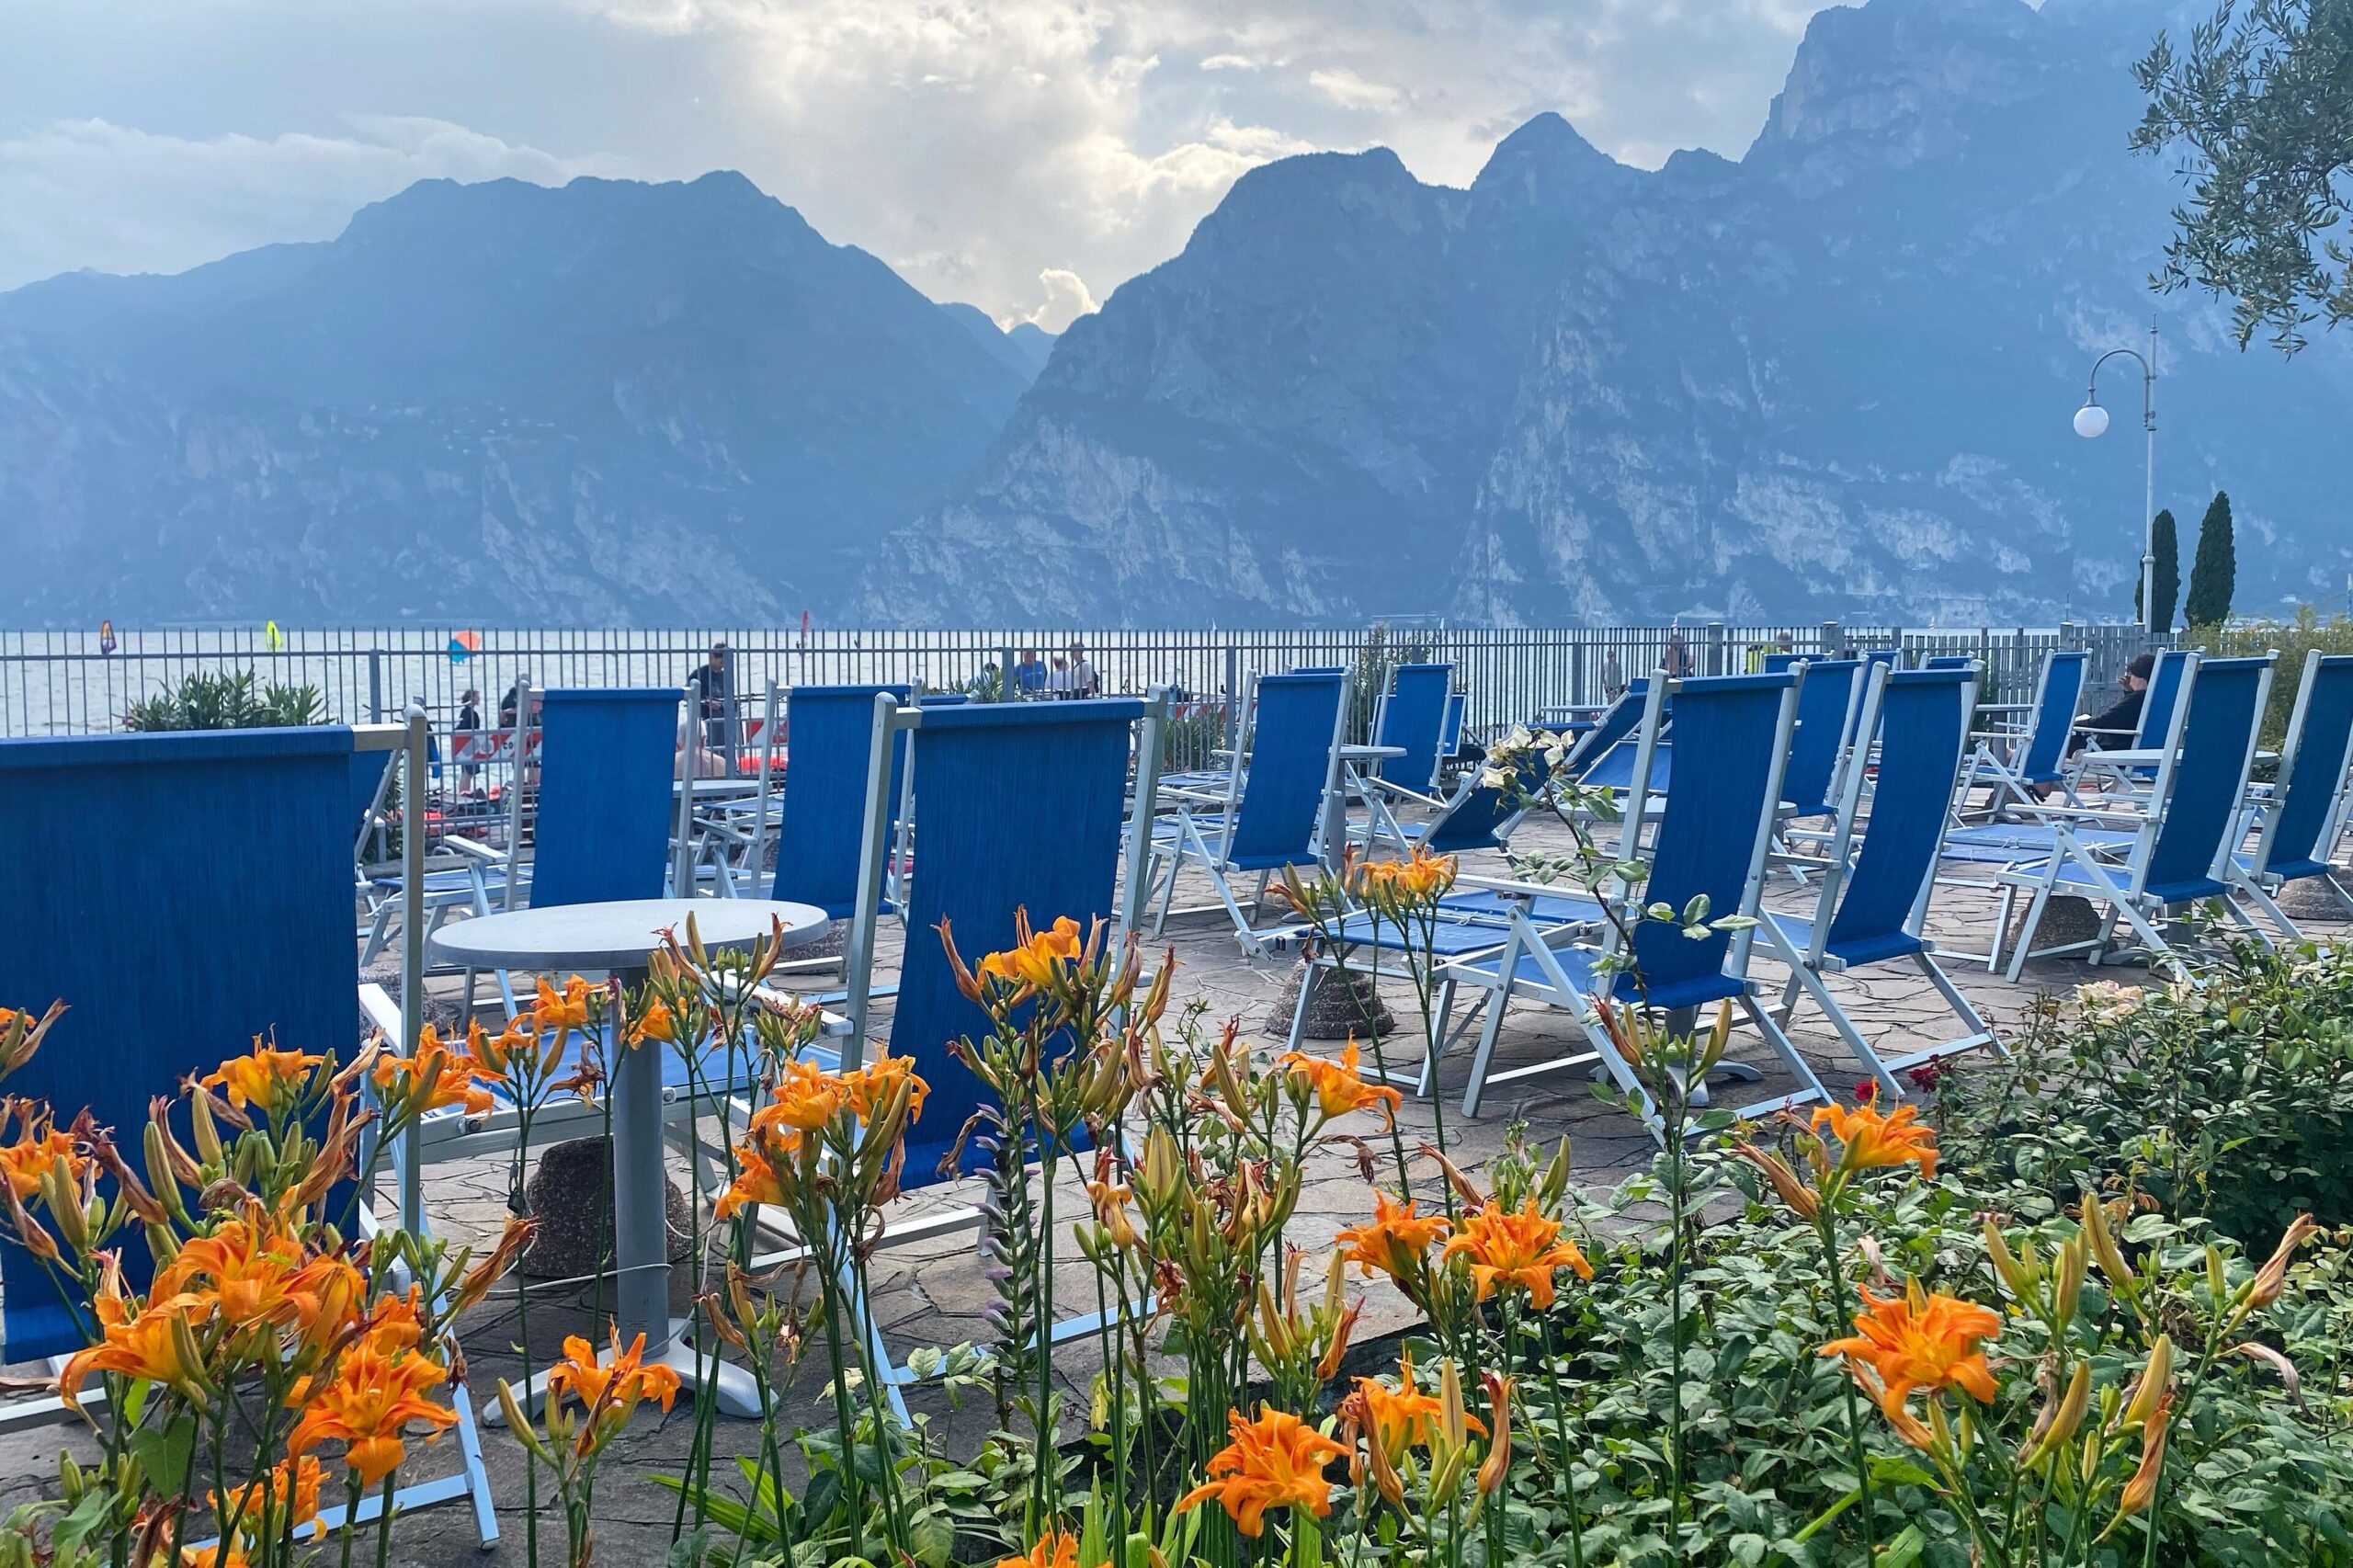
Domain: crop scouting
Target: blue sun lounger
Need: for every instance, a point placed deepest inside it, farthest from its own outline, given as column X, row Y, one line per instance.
column 2180, row 848
column 1873, row 903
column 215, row 906
column 1711, row 843
column 1025, row 808
column 2302, row 813
column 1274, row 809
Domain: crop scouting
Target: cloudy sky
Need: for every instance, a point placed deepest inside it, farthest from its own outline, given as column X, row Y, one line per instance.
column 1027, row 155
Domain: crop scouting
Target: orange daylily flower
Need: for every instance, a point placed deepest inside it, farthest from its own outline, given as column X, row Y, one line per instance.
column 255, row 1077
column 655, row 1023
column 1338, row 1087
column 568, row 1010
column 1056, row 1549
column 252, row 1272
column 39, row 1147
column 292, row 1501
column 1036, row 959
column 1918, row 1341
column 1420, row 878
column 158, row 1346
column 610, row 1390
column 1393, row 1240
column 872, row 1087
column 1275, row 1462
column 756, row 1181
column 368, row 1405
column 805, row 1099
column 436, row 1077
column 1520, row 1246
column 1868, row 1139
column 1399, row 1418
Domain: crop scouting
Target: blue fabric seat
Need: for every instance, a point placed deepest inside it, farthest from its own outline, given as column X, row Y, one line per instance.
column 1710, row 844
column 1872, row 904
column 2305, row 809
column 1271, row 815
column 2195, row 819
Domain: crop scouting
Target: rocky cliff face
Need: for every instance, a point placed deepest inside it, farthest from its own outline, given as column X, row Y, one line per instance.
column 1834, row 378
column 608, row 403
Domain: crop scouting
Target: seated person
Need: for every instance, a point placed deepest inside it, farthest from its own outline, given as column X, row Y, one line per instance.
column 2112, row 729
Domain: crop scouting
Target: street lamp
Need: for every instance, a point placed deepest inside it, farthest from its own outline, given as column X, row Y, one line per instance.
column 2091, row 422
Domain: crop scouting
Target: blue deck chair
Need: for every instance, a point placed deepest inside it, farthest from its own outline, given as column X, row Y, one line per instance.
column 1025, row 808
column 1873, row 903
column 824, row 795
column 1276, row 804
column 1450, row 740
column 2148, row 733
column 2181, row 847
column 1474, row 816
column 1948, row 662
column 1888, row 658
column 1827, row 705
column 1734, row 734
column 1474, row 921
column 1776, row 661
column 2014, row 760
column 1603, row 757
column 216, row 905
column 1411, row 717
column 2303, row 812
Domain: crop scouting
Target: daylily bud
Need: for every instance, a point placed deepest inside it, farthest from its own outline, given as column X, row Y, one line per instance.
column 2142, row 1487
column 1785, row 1182
column 2060, row 1420
column 1499, row 1463
column 2272, row 1278
column 2067, row 1281
column 2109, row 1257
column 2151, row 1389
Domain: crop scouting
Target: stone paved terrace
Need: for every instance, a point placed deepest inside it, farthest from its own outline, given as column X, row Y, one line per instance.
column 933, row 1293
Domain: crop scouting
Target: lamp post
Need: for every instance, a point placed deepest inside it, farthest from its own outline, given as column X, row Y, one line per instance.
column 2091, row 422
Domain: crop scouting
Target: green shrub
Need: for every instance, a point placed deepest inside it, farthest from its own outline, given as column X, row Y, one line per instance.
column 226, row 700
column 2233, row 1104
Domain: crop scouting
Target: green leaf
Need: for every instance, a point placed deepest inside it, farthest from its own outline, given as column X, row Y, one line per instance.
column 933, row 1536
column 1904, row 1550
column 164, row 1455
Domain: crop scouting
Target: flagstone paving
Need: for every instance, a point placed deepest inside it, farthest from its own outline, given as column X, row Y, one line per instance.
column 935, row 1291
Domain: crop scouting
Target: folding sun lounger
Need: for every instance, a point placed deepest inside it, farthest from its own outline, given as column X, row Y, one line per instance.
column 2180, row 850
column 1873, row 907
column 1274, row 810
column 1710, row 842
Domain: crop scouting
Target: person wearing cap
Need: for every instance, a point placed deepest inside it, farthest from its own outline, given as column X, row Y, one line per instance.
column 709, row 681
column 2116, row 725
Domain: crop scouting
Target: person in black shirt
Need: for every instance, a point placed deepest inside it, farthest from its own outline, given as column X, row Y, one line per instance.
column 2113, row 728
column 709, row 681
column 469, row 724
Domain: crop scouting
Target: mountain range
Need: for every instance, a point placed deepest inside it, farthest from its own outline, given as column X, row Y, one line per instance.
column 1831, row 378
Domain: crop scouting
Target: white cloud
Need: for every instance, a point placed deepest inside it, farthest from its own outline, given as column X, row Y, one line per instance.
column 1348, row 90
column 1067, row 299
column 92, row 193
column 971, row 143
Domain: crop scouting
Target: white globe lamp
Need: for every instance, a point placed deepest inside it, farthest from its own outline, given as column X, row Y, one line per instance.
column 2091, row 421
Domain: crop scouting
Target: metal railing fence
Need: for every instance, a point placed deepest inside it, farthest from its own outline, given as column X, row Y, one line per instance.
column 67, row 682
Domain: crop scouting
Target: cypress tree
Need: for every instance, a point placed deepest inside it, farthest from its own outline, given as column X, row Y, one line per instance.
column 2165, row 550
column 2213, row 574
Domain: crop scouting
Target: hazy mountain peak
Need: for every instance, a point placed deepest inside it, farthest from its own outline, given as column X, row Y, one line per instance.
column 1546, row 161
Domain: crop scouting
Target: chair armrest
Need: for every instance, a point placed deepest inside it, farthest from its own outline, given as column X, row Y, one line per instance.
column 377, row 1006
column 475, row 848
